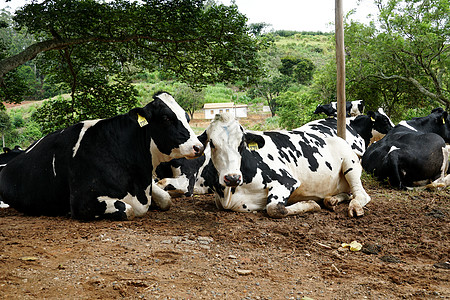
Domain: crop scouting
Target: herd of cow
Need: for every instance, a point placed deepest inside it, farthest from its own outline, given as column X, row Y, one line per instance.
column 118, row 167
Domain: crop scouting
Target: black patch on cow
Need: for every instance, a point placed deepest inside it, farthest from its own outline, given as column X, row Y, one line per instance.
column 169, row 187
column 345, row 173
column 244, row 206
column 269, row 156
column 308, row 148
column 211, row 177
column 233, row 190
column 329, row 166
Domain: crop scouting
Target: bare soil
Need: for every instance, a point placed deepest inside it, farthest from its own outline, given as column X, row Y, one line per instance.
column 195, row 251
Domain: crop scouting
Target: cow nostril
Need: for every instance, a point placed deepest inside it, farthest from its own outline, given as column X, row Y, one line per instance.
column 197, row 150
column 232, row 180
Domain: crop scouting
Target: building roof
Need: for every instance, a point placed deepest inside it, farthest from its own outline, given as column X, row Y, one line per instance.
column 222, row 105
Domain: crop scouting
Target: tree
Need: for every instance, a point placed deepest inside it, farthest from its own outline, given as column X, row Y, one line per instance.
column 300, row 69
column 201, row 44
column 189, row 99
column 296, row 108
column 5, row 125
column 269, row 89
column 406, row 57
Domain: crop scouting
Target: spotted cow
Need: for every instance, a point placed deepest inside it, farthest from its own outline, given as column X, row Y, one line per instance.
column 413, row 153
column 360, row 130
column 100, row 168
column 352, row 108
column 284, row 172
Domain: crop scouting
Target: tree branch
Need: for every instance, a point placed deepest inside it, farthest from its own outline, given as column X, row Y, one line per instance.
column 32, row 51
column 417, row 84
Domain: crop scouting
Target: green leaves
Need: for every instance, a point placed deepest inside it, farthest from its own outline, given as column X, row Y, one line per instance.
column 405, row 59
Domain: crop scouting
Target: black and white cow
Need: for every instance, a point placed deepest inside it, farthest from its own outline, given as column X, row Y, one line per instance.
column 413, row 153
column 100, row 168
column 360, row 129
column 185, row 176
column 352, row 108
column 284, row 172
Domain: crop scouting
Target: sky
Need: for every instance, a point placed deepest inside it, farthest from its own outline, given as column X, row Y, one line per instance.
column 299, row 15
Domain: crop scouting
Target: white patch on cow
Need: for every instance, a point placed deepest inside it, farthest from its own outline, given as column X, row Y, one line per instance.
column 354, row 111
column 132, row 205
column 110, row 208
column 53, row 165
column 35, row 144
column 405, row 124
column 3, row 205
column 381, row 111
column 86, row 126
column 393, row 148
column 2, row 165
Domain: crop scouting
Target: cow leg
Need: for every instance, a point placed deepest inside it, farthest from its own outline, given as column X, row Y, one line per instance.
column 161, row 198
column 331, row 202
column 117, row 209
column 302, row 207
column 175, row 186
column 89, row 208
column 278, row 207
column 352, row 172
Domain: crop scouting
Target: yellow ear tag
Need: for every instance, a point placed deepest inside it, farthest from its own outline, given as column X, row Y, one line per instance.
column 142, row 121
column 443, row 121
column 373, row 120
column 253, row 146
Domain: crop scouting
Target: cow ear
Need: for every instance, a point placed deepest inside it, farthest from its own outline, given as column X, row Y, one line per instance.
column 444, row 117
column 140, row 116
column 203, row 138
column 254, row 141
column 6, row 149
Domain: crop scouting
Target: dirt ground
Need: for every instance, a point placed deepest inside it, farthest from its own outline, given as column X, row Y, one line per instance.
column 195, row 251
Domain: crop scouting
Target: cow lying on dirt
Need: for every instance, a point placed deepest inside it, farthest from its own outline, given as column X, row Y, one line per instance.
column 413, row 153
column 284, row 172
column 100, row 168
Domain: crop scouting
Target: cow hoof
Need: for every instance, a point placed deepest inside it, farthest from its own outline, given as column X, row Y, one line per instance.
column 331, row 203
column 355, row 209
column 277, row 211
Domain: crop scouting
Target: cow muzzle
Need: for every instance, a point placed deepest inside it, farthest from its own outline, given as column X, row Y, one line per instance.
column 198, row 150
column 232, row 180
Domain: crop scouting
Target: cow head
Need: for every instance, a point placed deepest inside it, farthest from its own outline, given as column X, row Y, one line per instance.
column 327, row 109
column 226, row 138
column 440, row 122
column 168, row 127
column 381, row 123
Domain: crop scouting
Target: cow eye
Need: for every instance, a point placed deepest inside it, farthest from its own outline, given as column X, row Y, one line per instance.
column 166, row 119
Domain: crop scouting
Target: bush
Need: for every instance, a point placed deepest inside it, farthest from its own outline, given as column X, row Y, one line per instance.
column 295, row 109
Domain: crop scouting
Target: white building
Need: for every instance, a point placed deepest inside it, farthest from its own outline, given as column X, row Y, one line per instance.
column 211, row 109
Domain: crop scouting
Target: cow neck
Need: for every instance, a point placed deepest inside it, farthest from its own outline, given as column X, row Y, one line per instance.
column 363, row 126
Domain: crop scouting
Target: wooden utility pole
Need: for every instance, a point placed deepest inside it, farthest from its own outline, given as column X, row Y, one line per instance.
column 340, row 62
